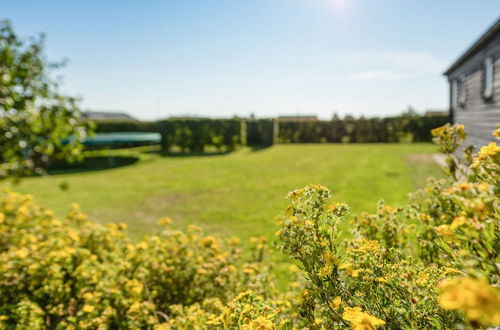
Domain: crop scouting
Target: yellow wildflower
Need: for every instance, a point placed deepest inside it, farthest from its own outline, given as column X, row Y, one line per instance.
column 366, row 245
column 194, row 228
column 345, row 265
column 325, row 271
column 496, row 133
column 450, row 270
column 382, row 279
column 134, row 307
column 165, row 221
column 457, row 222
column 248, row 270
column 294, row 195
column 330, row 259
column 464, row 186
column 260, row 323
column 209, row 241
column 446, row 232
column 73, row 234
column 142, row 245
column 234, row 241
column 134, row 287
column 88, row 308
column 22, row 253
column 335, row 303
column 422, row 279
column 242, row 295
column 490, row 150
column 477, row 299
column 332, row 206
column 360, row 320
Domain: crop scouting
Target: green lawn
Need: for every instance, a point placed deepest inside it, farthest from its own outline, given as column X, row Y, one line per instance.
column 237, row 193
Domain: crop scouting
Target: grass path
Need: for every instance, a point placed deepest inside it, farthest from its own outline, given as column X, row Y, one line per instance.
column 237, row 193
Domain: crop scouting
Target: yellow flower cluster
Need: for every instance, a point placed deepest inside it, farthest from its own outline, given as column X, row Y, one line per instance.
column 360, row 320
column 478, row 300
column 491, row 151
column 395, row 258
column 72, row 273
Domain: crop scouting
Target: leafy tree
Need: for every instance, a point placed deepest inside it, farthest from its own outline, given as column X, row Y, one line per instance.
column 37, row 123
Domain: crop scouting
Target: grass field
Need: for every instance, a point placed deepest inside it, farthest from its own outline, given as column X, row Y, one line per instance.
column 237, row 193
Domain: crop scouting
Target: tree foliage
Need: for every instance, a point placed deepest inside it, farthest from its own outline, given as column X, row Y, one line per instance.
column 37, row 122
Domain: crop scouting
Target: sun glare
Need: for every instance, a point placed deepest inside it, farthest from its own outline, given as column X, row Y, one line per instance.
column 339, row 3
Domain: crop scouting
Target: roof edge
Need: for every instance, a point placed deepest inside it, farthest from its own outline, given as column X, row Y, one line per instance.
column 490, row 32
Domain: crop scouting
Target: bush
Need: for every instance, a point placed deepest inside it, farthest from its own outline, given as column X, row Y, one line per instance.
column 405, row 128
column 194, row 135
column 430, row 264
column 73, row 273
column 190, row 135
column 126, row 126
column 260, row 132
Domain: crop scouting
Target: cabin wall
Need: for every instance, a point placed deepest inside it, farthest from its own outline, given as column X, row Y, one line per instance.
column 480, row 116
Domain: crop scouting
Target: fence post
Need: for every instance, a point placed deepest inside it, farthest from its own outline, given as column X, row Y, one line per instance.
column 276, row 130
column 243, row 132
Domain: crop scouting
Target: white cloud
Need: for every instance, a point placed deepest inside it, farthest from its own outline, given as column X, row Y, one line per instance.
column 393, row 66
column 381, row 75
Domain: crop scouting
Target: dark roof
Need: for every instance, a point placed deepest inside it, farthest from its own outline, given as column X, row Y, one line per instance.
column 298, row 118
column 485, row 37
column 435, row 112
column 105, row 116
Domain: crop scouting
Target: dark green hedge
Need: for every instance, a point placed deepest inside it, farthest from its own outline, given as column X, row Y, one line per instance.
column 126, row 126
column 260, row 132
column 195, row 135
column 190, row 135
column 349, row 129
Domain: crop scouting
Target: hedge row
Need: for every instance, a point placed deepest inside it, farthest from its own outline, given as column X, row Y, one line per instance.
column 195, row 135
column 349, row 129
column 190, row 135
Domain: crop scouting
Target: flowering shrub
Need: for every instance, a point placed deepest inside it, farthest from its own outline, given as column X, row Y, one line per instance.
column 73, row 273
column 430, row 264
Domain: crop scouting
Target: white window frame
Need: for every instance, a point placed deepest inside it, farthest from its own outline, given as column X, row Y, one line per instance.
column 454, row 94
column 488, row 78
column 462, row 91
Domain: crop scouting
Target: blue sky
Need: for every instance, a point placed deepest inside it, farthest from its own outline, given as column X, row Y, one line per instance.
column 221, row 58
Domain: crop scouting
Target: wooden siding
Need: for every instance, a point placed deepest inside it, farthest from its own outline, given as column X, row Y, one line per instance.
column 480, row 116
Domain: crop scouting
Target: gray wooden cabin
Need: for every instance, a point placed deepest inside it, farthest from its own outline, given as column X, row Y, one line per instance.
column 474, row 80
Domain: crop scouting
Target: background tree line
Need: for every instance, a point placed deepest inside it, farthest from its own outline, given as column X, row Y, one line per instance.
column 195, row 135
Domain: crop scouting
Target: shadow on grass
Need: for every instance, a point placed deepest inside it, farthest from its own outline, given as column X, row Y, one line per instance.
column 189, row 154
column 256, row 148
column 208, row 153
column 91, row 163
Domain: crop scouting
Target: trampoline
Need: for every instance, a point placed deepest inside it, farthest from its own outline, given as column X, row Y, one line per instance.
column 122, row 139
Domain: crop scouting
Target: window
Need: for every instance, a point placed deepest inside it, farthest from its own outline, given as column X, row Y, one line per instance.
column 462, row 90
column 488, row 78
column 454, row 91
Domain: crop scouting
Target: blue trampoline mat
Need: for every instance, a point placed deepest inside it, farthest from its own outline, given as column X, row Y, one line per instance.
column 122, row 138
